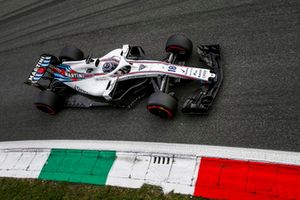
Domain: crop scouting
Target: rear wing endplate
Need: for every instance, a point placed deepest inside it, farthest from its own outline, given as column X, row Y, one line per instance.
column 39, row 70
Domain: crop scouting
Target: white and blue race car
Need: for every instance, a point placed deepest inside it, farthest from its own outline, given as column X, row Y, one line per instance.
column 125, row 75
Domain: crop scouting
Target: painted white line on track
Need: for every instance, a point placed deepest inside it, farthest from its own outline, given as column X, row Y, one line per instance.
column 284, row 157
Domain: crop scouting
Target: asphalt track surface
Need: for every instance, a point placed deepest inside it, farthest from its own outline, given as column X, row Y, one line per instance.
column 258, row 105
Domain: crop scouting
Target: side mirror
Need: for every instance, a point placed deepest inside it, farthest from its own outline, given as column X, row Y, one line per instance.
column 97, row 62
column 89, row 59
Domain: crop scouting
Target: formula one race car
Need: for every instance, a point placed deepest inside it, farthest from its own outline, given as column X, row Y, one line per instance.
column 125, row 75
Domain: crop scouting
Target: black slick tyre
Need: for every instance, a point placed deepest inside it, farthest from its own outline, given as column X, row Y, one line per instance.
column 49, row 102
column 162, row 105
column 71, row 53
column 180, row 45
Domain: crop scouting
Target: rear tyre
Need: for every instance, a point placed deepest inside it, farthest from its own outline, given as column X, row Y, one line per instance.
column 49, row 102
column 162, row 105
column 71, row 53
column 180, row 45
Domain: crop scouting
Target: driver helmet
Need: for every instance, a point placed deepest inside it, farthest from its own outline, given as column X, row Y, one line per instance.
column 110, row 65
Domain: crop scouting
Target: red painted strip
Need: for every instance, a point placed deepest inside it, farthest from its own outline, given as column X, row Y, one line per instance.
column 235, row 179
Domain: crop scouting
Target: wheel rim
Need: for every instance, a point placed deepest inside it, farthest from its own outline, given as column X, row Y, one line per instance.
column 45, row 108
column 160, row 111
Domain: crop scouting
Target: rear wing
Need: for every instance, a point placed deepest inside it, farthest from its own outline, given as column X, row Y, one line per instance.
column 39, row 70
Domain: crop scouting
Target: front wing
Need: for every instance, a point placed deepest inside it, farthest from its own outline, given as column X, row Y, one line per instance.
column 201, row 101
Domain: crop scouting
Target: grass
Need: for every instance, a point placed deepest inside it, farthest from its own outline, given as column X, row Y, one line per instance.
column 32, row 189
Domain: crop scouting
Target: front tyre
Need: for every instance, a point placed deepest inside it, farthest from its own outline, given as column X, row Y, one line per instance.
column 180, row 45
column 162, row 105
column 49, row 102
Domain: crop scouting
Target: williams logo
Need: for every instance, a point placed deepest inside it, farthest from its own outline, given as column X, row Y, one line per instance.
column 74, row 75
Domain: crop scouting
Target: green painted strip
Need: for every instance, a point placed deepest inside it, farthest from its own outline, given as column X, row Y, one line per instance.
column 83, row 166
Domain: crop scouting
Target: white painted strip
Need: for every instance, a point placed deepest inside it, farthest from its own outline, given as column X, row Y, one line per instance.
column 120, row 173
column 196, row 170
column 165, row 170
column 182, row 171
column 140, row 167
column 3, row 155
column 39, row 161
column 22, row 163
column 11, row 160
column 24, row 160
column 158, row 172
column 123, row 165
column 284, row 157
column 125, row 182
